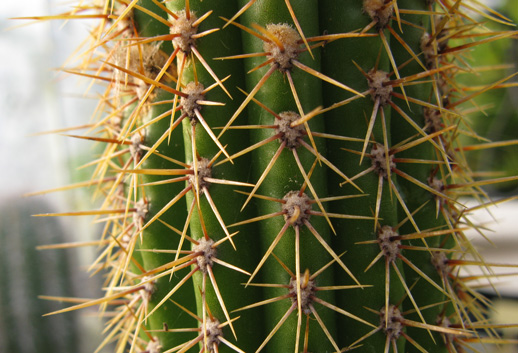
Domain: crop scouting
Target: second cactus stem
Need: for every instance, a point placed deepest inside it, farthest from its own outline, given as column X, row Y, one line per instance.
column 284, row 175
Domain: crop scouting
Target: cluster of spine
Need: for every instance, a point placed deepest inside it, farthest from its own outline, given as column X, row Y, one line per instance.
column 284, row 175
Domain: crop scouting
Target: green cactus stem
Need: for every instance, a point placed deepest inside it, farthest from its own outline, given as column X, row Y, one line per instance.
column 285, row 175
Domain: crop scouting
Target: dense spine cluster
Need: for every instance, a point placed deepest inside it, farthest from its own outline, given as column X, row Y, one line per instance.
column 284, row 176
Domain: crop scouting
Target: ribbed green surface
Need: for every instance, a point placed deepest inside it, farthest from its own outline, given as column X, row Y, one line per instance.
column 316, row 274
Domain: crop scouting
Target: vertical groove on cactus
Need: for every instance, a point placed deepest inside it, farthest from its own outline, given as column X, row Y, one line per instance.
column 284, row 175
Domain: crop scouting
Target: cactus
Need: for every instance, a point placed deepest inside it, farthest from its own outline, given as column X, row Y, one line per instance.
column 285, row 175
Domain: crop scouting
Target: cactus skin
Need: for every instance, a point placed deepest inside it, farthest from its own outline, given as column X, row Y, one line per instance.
column 347, row 263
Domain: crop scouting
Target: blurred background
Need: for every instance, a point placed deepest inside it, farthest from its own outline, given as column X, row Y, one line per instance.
column 34, row 99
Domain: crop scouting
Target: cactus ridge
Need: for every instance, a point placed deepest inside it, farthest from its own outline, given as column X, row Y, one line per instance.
column 327, row 218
